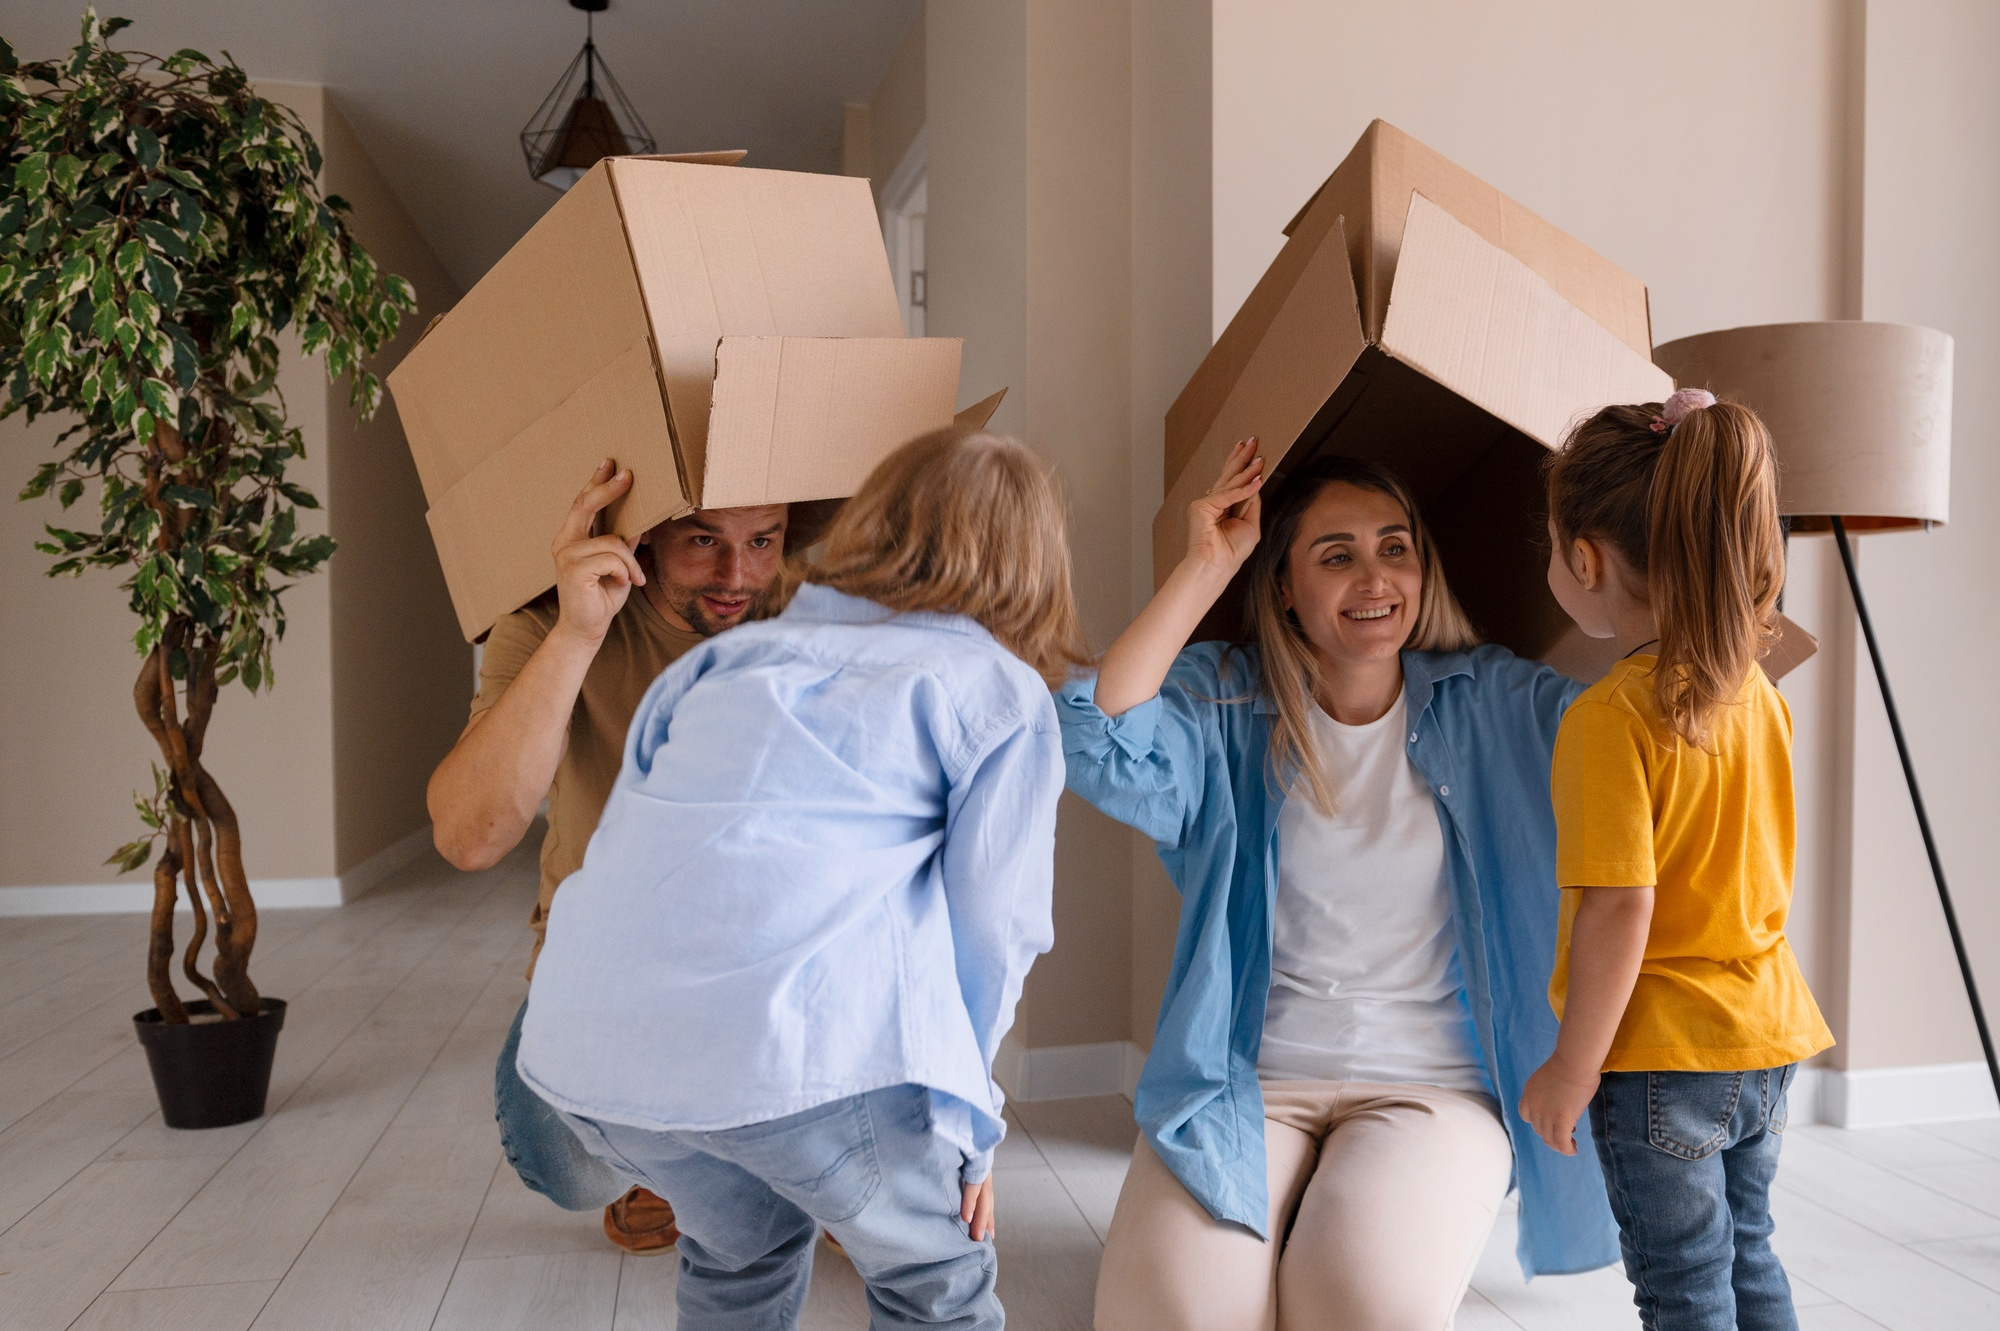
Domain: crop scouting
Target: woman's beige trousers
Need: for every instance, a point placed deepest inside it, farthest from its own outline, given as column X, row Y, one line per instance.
column 1381, row 1200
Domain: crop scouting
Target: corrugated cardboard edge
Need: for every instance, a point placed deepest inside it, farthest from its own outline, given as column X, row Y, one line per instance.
column 975, row 416
column 718, row 157
column 1478, row 321
column 1275, row 398
column 803, row 418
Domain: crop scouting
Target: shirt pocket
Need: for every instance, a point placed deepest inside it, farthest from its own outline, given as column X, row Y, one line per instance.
column 1688, row 1113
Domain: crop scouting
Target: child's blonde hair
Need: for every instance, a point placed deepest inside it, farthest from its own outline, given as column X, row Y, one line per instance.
column 1689, row 499
column 969, row 524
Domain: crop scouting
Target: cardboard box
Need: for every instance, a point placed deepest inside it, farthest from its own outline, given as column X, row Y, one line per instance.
column 1418, row 317
column 730, row 334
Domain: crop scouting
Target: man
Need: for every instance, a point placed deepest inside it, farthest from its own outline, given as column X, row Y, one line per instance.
column 558, row 685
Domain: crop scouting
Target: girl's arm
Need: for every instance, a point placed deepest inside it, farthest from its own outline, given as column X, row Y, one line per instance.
column 1606, row 944
column 1222, row 531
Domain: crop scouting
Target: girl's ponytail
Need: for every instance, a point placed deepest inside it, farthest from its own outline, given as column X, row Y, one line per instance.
column 1716, row 561
column 1686, row 491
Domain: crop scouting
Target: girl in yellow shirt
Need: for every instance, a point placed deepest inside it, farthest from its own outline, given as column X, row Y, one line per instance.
column 1683, row 1011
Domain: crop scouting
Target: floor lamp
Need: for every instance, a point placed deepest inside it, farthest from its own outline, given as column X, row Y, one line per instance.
column 1861, row 417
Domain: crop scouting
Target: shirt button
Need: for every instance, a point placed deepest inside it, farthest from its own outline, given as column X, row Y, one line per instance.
column 1413, row 737
column 1444, row 790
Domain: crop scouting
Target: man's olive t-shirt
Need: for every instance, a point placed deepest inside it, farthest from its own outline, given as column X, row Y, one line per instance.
column 639, row 644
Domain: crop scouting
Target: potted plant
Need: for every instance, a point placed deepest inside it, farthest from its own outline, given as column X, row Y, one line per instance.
column 160, row 228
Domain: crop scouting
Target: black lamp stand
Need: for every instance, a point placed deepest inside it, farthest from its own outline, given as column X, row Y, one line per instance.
column 1917, row 801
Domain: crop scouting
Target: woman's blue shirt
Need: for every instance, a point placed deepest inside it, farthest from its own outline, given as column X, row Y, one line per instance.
column 1190, row 769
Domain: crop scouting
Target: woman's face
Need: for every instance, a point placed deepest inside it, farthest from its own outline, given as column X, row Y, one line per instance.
column 1353, row 578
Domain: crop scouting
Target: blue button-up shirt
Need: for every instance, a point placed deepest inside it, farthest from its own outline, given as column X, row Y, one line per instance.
column 1190, row 769
column 825, row 868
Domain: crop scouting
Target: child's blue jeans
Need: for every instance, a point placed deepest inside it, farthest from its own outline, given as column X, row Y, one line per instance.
column 1688, row 1160
column 540, row 1146
column 749, row 1202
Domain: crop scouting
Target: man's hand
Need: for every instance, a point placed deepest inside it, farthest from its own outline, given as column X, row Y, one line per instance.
column 1554, row 1099
column 976, row 1210
column 594, row 574
column 484, row 794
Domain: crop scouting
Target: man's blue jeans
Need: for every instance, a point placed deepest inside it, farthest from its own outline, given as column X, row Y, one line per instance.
column 750, row 1201
column 1688, row 1160
column 540, row 1146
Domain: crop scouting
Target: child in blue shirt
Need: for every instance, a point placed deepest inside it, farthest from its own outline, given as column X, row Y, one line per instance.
column 821, row 878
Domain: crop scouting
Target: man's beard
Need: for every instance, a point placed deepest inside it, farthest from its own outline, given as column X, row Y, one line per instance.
column 686, row 602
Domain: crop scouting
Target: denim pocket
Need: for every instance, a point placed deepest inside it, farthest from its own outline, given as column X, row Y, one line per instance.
column 826, row 1163
column 1780, row 1109
column 1688, row 1113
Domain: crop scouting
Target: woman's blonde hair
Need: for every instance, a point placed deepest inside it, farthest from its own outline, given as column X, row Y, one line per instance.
column 1291, row 669
column 1692, row 507
column 969, row 524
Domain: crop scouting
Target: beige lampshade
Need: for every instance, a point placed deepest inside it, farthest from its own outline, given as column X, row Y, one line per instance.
column 1860, row 414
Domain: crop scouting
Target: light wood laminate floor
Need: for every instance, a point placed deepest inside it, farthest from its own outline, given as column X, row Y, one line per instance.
column 373, row 1194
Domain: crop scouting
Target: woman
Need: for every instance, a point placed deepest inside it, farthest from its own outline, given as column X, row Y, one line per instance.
column 1355, row 808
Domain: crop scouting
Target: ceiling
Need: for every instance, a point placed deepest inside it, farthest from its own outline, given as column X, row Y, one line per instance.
column 438, row 90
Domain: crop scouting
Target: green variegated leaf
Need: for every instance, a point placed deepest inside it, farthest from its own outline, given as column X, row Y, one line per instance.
column 67, row 171
column 31, row 174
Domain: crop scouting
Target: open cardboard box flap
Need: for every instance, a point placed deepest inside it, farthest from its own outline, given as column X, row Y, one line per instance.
column 731, row 335
column 1368, row 195
column 1479, row 369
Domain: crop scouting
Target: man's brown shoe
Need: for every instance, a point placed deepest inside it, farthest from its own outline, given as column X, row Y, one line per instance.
column 640, row 1222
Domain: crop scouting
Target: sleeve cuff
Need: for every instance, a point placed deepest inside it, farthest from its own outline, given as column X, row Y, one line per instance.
column 1085, row 726
column 977, row 1169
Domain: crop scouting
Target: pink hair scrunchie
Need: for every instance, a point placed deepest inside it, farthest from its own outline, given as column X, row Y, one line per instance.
column 1677, row 406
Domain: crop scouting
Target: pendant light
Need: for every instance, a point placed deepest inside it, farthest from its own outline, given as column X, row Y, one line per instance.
column 586, row 116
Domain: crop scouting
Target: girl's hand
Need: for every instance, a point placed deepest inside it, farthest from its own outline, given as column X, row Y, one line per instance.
column 977, row 1209
column 1223, row 524
column 1553, row 1100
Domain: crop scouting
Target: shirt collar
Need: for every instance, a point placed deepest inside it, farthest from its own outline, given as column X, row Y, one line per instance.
column 814, row 603
column 1421, row 672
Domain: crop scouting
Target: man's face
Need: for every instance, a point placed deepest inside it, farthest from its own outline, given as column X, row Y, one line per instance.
column 718, row 567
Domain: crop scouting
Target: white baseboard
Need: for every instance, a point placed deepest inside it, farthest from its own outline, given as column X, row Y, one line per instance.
column 1067, row 1071
column 270, row 893
column 1895, row 1097
column 384, row 864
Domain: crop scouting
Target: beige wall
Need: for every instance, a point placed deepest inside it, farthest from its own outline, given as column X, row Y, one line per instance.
column 1736, row 158
column 1068, row 243
column 1932, row 213
column 1172, row 297
column 75, row 748
column 1629, row 127
column 896, row 111
column 401, row 672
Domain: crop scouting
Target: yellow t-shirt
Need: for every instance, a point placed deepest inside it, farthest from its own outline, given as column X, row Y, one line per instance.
column 1712, row 831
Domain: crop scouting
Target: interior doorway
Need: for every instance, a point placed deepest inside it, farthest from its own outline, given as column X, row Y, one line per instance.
column 905, row 200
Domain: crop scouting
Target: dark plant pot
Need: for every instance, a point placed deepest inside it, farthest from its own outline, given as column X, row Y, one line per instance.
column 213, row 1073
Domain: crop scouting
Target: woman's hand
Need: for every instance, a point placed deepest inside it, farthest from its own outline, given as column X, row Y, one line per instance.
column 1223, row 524
column 976, row 1210
column 1222, row 531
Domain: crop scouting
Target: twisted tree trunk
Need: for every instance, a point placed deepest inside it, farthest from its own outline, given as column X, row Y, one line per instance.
column 204, row 849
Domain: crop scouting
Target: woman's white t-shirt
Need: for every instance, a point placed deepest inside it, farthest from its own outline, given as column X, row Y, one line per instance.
column 1365, row 979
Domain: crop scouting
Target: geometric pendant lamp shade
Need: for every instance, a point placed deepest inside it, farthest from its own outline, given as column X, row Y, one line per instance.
column 585, row 117
column 1859, row 413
